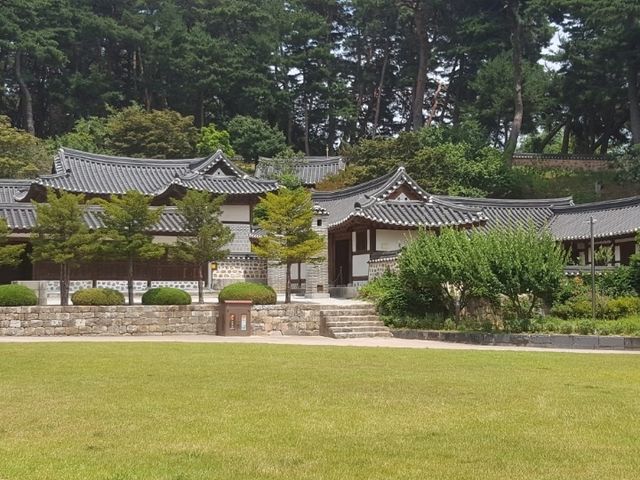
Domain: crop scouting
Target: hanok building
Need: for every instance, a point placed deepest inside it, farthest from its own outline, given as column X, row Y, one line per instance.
column 309, row 170
column 365, row 225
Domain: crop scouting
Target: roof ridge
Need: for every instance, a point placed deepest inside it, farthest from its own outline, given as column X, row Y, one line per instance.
column 508, row 202
column 99, row 157
column 603, row 204
column 348, row 191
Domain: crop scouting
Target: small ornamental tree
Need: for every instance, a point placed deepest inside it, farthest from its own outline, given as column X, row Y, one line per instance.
column 452, row 262
column 10, row 255
column 288, row 233
column 526, row 263
column 205, row 235
column 61, row 236
column 126, row 235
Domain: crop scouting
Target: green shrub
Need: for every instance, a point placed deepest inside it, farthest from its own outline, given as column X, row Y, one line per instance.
column 97, row 296
column 617, row 282
column 166, row 296
column 17, row 295
column 565, row 328
column 585, row 327
column 395, row 297
column 258, row 293
column 621, row 307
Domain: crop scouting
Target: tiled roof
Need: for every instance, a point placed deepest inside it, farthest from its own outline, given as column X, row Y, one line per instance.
column 82, row 172
column 612, row 218
column 21, row 217
column 309, row 170
column 431, row 214
column 371, row 201
column 225, row 184
column 10, row 188
column 512, row 213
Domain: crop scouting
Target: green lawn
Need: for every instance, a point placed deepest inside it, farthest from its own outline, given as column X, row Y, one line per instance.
column 224, row 411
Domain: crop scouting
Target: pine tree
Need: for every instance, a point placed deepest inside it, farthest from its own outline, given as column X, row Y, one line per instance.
column 61, row 236
column 126, row 234
column 205, row 235
column 288, row 234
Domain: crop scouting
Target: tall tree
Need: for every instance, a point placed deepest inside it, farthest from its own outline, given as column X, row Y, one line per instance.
column 205, row 236
column 126, row 235
column 61, row 236
column 288, row 233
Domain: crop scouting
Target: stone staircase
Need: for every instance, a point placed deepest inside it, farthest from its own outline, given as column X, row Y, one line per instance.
column 351, row 321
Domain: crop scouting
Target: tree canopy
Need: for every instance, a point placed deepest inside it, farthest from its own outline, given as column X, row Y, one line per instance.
column 316, row 75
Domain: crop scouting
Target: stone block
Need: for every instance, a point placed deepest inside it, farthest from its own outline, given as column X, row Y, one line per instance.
column 614, row 343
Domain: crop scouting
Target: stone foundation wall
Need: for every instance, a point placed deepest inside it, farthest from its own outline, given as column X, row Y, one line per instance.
column 538, row 340
column 291, row 319
column 241, row 269
column 109, row 320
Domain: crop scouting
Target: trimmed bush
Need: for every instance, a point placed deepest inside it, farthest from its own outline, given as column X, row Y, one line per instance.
column 258, row 293
column 166, row 296
column 97, row 296
column 17, row 295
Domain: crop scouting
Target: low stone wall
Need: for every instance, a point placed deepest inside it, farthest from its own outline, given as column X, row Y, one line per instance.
column 112, row 320
column 592, row 163
column 524, row 339
column 291, row 319
column 239, row 269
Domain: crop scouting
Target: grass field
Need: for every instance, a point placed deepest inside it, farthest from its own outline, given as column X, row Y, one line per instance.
column 196, row 411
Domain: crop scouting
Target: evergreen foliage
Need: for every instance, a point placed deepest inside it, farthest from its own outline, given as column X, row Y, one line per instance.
column 288, row 235
column 126, row 235
column 17, row 295
column 205, row 235
column 10, row 255
column 22, row 155
column 258, row 293
column 97, row 296
column 61, row 236
column 166, row 296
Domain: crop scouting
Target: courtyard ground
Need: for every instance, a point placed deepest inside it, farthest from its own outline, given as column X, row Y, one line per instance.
column 98, row 410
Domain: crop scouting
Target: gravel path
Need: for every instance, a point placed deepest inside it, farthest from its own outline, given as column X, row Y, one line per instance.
column 312, row 341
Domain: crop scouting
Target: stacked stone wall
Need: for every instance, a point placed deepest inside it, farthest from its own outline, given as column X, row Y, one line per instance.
column 379, row 267
column 570, row 162
column 289, row 319
column 234, row 270
column 109, row 320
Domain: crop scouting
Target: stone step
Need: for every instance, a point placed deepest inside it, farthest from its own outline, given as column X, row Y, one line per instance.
column 358, row 323
column 360, row 328
column 385, row 334
column 352, row 318
column 349, row 313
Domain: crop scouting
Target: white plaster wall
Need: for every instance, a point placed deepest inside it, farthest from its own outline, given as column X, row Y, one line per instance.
column 235, row 213
column 294, row 271
column 165, row 239
column 360, row 265
column 390, row 240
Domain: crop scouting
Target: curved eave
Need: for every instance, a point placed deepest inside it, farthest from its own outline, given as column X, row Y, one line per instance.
column 619, row 233
column 362, row 214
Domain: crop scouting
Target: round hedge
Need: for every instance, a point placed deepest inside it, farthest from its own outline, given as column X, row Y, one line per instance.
column 166, row 296
column 97, row 296
column 17, row 295
column 258, row 293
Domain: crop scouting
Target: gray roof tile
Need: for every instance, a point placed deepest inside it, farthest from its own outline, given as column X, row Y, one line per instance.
column 10, row 188
column 21, row 217
column 612, row 218
column 309, row 170
column 83, row 172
